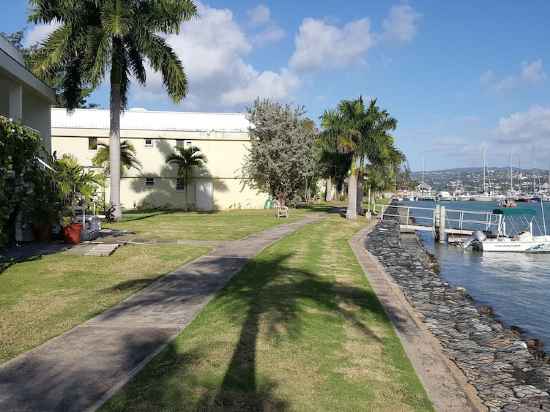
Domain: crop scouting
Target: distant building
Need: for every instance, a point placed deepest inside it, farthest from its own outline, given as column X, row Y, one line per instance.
column 22, row 96
column 222, row 137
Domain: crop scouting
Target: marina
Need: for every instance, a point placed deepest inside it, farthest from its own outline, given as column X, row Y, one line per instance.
column 515, row 285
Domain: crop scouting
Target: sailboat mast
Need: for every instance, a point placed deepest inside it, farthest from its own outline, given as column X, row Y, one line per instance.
column 423, row 167
column 484, row 186
column 511, row 176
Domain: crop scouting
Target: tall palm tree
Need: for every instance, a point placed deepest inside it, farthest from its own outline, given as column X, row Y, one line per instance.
column 187, row 159
column 363, row 133
column 128, row 158
column 113, row 38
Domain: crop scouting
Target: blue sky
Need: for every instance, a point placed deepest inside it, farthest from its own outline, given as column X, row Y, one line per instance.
column 456, row 75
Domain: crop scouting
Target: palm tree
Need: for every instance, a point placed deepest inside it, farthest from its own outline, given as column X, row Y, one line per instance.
column 128, row 158
column 111, row 38
column 187, row 159
column 363, row 133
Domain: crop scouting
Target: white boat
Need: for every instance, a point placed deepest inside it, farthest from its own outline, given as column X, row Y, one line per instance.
column 444, row 196
column 524, row 242
column 483, row 197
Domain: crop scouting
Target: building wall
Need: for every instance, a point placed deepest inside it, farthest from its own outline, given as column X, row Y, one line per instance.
column 36, row 114
column 218, row 186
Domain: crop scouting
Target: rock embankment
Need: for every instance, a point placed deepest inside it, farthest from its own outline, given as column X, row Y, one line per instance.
column 509, row 373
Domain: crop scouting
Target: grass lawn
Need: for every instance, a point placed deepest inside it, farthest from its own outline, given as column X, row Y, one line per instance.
column 298, row 329
column 45, row 297
column 223, row 225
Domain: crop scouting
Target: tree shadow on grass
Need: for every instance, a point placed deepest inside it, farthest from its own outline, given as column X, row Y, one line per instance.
column 269, row 296
column 278, row 294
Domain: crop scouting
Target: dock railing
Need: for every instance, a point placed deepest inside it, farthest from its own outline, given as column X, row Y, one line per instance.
column 455, row 221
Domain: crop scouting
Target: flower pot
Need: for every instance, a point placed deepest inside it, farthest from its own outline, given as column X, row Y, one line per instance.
column 71, row 233
column 42, row 232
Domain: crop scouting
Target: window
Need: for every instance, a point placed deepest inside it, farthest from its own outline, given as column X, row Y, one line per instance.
column 148, row 142
column 183, row 143
column 92, row 143
column 180, row 184
column 149, row 181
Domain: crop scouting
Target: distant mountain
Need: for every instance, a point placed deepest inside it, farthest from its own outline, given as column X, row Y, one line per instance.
column 470, row 179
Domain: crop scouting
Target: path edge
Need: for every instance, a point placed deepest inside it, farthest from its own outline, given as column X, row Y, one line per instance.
column 393, row 300
column 117, row 387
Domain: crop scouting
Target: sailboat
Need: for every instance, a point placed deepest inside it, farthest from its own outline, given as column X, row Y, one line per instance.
column 485, row 196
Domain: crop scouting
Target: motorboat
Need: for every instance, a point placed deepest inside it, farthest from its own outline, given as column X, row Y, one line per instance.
column 444, row 196
column 524, row 241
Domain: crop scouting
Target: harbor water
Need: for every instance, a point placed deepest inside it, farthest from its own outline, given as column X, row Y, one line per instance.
column 515, row 285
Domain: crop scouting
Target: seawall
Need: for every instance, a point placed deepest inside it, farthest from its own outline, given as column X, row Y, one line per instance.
column 508, row 372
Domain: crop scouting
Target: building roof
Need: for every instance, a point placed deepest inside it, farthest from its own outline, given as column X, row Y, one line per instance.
column 141, row 119
column 12, row 63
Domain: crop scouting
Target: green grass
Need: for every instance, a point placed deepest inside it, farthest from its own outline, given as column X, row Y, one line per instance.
column 298, row 329
column 223, row 225
column 43, row 298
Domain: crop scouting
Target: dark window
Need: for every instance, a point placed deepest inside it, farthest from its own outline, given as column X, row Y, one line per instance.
column 180, row 143
column 180, row 184
column 92, row 143
column 148, row 142
column 149, row 181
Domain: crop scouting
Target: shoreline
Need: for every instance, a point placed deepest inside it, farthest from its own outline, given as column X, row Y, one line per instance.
column 508, row 372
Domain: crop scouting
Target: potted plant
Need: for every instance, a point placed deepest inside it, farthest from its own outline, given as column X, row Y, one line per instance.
column 71, row 230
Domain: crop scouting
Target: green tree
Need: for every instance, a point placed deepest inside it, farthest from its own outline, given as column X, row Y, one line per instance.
column 114, row 39
column 281, row 159
column 128, row 158
column 187, row 159
column 363, row 133
column 73, row 180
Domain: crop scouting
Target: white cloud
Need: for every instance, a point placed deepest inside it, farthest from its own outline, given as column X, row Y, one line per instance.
column 260, row 19
column 259, row 15
column 213, row 50
column 271, row 34
column 265, row 84
column 532, row 126
column 531, row 73
column 401, row 25
column 39, row 33
column 322, row 45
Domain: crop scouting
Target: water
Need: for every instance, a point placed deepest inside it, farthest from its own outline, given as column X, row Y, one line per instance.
column 515, row 285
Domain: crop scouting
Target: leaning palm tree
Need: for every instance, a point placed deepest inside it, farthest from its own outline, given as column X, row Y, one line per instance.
column 187, row 159
column 128, row 158
column 110, row 39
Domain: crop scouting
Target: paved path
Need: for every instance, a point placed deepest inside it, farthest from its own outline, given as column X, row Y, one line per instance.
column 84, row 367
column 445, row 384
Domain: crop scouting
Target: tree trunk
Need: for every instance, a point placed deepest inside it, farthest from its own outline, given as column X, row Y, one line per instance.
column 329, row 196
column 114, row 142
column 351, row 212
column 360, row 194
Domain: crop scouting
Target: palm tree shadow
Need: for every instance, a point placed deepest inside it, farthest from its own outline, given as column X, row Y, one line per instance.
column 274, row 294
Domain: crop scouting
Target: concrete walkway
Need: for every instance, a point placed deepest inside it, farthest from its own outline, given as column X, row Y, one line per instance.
column 445, row 384
column 84, row 367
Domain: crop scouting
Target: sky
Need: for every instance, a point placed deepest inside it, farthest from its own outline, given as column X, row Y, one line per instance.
column 458, row 76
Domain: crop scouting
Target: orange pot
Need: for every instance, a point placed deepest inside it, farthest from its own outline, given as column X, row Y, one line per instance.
column 72, row 233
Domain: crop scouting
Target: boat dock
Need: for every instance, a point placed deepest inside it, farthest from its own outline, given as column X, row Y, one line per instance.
column 445, row 224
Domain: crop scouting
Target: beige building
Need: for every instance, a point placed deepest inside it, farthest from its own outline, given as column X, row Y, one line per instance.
column 222, row 137
column 22, row 96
